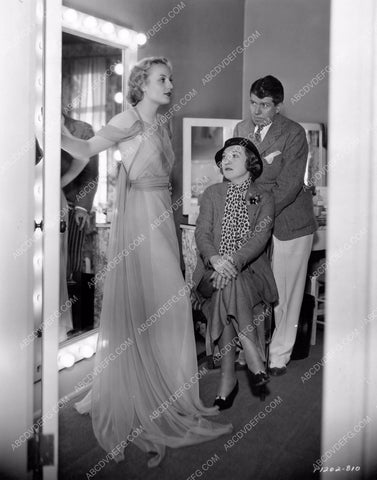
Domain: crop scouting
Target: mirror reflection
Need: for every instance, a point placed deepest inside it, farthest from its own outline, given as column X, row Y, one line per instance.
column 202, row 138
column 91, row 95
column 205, row 142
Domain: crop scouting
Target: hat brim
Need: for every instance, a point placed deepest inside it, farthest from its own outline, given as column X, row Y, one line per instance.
column 231, row 142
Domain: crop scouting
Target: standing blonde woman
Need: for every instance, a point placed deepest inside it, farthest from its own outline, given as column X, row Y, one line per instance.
column 152, row 386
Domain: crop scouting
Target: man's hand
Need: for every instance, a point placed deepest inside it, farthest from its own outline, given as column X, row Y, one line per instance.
column 224, row 266
column 81, row 218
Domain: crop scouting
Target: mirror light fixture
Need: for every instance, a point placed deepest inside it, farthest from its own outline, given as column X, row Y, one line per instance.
column 36, row 241
column 103, row 30
column 74, row 350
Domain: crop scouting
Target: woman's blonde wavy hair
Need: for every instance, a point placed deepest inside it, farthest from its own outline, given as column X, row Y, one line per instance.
column 139, row 75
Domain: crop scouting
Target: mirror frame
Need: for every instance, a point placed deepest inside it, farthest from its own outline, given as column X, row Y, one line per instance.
column 321, row 181
column 99, row 30
column 188, row 123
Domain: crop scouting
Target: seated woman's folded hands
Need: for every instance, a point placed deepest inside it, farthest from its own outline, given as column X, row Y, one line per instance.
column 223, row 264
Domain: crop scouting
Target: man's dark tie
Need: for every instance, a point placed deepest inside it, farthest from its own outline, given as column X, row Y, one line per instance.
column 257, row 134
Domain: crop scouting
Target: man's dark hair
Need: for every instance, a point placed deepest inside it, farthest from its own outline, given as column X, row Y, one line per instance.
column 268, row 86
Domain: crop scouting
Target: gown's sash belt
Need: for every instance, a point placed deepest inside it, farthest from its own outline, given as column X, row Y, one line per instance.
column 160, row 183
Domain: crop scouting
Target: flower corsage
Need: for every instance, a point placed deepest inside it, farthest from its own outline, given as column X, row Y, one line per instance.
column 253, row 199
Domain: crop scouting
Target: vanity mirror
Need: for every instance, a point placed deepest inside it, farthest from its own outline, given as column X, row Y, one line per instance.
column 96, row 58
column 202, row 138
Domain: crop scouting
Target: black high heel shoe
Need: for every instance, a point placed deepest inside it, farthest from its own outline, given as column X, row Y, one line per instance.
column 227, row 402
column 259, row 379
column 258, row 384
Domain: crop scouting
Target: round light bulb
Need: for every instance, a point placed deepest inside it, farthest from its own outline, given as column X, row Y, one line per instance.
column 107, row 28
column 117, row 156
column 118, row 97
column 141, row 39
column 37, row 261
column 37, row 298
column 118, row 69
column 38, row 189
column 70, row 15
column 66, row 360
column 124, row 35
column 90, row 23
column 38, row 115
column 86, row 351
column 39, row 45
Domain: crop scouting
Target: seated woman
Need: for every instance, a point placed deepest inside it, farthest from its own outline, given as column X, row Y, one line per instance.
column 233, row 272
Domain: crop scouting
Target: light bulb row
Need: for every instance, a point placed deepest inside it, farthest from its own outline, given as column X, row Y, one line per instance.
column 101, row 28
column 74, row 352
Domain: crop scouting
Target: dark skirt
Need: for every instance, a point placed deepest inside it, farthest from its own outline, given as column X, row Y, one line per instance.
column 243, row 302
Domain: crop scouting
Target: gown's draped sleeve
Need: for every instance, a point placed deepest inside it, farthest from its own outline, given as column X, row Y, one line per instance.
column 115, row 134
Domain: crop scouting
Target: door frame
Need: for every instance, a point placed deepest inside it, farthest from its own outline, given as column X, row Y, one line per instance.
column 51, row 218
column 350, row 355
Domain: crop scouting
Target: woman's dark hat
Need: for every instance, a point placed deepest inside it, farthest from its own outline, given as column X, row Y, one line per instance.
column 243, row 142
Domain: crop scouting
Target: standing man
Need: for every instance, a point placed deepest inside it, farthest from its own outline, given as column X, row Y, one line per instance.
column 80, row 194
column 283, row 147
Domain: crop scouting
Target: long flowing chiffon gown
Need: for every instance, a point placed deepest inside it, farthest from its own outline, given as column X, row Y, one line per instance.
column 156, row 372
